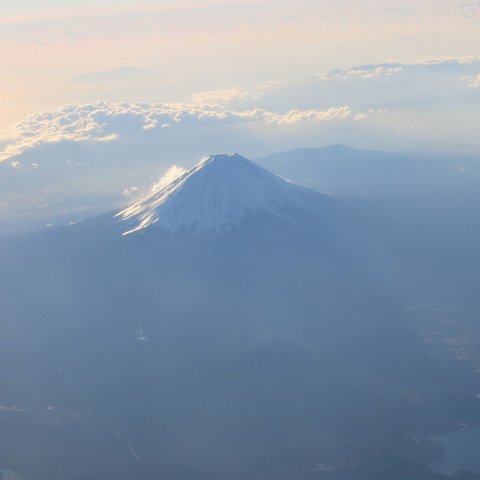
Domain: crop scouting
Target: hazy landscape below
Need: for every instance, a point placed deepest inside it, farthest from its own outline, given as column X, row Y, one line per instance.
column 332, row 337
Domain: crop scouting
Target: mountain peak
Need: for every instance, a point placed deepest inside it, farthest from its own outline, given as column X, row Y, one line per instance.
column 215, row 195
column 224, row 157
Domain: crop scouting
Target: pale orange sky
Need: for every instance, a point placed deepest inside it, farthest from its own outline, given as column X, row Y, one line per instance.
column 166, row 51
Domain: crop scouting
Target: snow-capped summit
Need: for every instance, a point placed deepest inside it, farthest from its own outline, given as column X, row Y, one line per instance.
column 215, row 195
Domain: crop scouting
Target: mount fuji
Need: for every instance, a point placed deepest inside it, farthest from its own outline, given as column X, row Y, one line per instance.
column 217, row 195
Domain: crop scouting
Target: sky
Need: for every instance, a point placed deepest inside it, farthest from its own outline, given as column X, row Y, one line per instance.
column 408, row 69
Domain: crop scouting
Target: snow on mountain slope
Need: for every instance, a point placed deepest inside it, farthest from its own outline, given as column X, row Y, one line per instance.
column 216, row 195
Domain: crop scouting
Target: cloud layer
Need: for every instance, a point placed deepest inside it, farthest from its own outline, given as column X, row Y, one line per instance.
column 102, row 121
column 395, row 98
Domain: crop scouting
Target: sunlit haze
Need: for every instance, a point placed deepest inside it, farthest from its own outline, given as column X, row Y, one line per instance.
column 239, row 240
column 56, row 53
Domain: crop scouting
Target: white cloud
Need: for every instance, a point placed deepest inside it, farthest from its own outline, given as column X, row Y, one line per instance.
column 274, row 102
column 130, row 191
column 171, row 174
column 439, row 59
column 105, row 122
column 474, row 82
column 376, row 71
column 296, row 116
